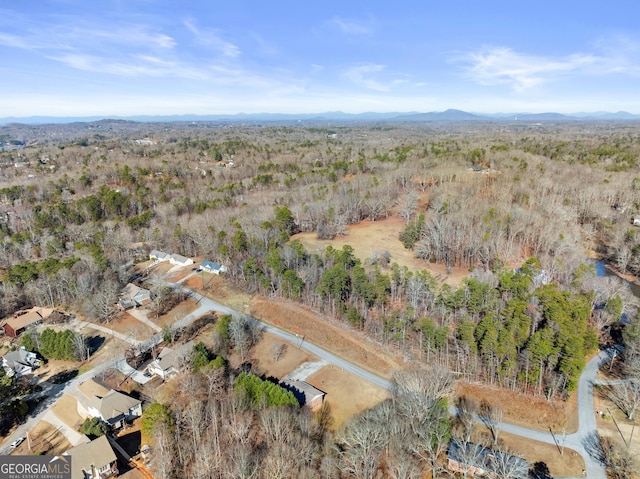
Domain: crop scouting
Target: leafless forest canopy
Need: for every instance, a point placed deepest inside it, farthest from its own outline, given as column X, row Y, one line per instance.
column 80, row 201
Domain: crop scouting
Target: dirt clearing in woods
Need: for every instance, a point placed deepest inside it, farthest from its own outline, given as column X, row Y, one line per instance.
column 369, row 237
column 347, row 395
column 330, row 335
column 126, row 324
column 525, row 409
column 323, row 331
column 263, row 360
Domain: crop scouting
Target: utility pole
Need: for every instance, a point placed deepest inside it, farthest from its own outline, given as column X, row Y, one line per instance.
column 618, row 428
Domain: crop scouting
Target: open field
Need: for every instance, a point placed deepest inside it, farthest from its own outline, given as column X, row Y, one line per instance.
column 177, row 313
column 347, row 395
column 264, row 363
column 524, row 409
column 332, row 335
column 369, row 237
column 45, row 439
column 126, row 324
column 67, row 411
column 569, row 463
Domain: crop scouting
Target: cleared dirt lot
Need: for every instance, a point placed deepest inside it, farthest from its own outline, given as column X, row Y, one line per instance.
column 45, row 439
column 568, row 464
column 67, row 411
column 523, row 409
column 369, row 237
column 264, row 363
column 327, row 333
column 347, row 395
column 126, row 324
column 177, row 313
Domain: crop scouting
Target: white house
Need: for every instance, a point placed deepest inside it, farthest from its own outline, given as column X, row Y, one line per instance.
column 20, row 362
column 179, row 260
column 170, row 361
column 213, row 267
column 159, row 255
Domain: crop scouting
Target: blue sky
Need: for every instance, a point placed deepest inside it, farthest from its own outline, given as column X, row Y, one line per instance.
column 133, row 57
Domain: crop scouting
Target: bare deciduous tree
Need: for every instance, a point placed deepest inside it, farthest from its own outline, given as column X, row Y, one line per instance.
column 626, row 395
column 491, row 416
column 466, row 410
column 102, row 304
column 278, row 350
column 506, row 466
column 618, row 459
column 362, row 441
column 80, row 348
column 244, row 332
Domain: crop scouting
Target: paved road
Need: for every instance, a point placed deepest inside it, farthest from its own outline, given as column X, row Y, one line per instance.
column 580, row 441
column 55, row 393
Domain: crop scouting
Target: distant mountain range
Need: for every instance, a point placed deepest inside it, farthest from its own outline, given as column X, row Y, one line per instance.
column 448, row 115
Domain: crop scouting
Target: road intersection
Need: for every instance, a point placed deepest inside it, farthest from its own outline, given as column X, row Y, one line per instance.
column 583, row 441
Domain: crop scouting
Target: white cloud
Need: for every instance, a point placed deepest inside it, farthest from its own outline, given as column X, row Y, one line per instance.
column 133, row 35
column 353, row 27
column 501, row 65
column 493, row 66
column 211, row 38
column 362, row 76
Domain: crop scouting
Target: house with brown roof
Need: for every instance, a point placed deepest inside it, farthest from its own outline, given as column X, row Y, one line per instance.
column 22, row 321
column 93, row 460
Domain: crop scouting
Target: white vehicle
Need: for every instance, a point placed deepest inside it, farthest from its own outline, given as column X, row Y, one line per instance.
column 16, row 443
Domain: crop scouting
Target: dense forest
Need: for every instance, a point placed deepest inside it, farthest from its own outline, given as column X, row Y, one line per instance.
column 515, row 205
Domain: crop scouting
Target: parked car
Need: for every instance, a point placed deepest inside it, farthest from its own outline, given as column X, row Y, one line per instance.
column 16, row 443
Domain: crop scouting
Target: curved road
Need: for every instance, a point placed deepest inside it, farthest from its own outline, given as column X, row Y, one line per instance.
column 582, row 441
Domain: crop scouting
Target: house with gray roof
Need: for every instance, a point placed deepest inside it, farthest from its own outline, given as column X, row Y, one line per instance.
column 213, row 267
column 306, row 394
column 133, row 296
column 179, row 260
column 20, row 362
column 159, row 255
column 115, row 408
column 93, row 460
column 171, row 360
